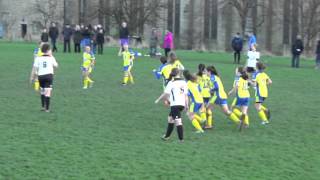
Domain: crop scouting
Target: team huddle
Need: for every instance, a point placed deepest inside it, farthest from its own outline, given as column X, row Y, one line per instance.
column 199, row 93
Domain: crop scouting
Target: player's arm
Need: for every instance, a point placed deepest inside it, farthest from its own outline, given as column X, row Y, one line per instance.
column 55, row 64
column 162, row 96
column 269, row 81
column 120, row 51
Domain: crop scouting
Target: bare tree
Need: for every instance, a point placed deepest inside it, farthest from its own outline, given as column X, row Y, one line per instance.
column 269, row 25
column 48, row 11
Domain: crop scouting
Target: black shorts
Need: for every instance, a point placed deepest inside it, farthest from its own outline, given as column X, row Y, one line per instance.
column 45, row 81
column 175, row 111
column 250, row 69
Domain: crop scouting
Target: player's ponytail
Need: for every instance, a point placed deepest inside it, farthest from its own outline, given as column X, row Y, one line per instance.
column 174, row 73
column 212, row 70
column 201, row 68
column 244, row 75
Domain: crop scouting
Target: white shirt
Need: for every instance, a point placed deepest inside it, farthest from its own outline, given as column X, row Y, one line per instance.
column 45, row 65
column 178, row 90
column 253, row 56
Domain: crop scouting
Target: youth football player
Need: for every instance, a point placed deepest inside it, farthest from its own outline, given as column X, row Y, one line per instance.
column 163, row 71
column 175, row 62
column 177, row 92
column 127, row 65
column 242, row 99
column 262, row 80
column 204, row 82
column 36, row 53
column 220, row 96
column 44, row 69
column 87, row 67
column 196, row 114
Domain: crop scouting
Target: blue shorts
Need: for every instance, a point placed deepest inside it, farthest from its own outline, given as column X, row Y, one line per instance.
column 206, row 101
column 124, row 41
column 195, row 107
column 242, row 102
column 126, row 68
column 83, row 69
column 260, row 99
column 220, row 101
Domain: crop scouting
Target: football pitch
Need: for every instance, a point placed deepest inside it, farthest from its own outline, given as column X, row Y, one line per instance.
column 113, row 132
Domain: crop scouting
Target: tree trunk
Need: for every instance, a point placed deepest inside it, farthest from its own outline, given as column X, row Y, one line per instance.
column 286, row 22
column 100, row 11
column 214, row 19
column 254, row 14
column 190, row 36
column 170, row 16
column 107, row 16
column 177, row 22
column 269, row 26
column 206, row 26
column 295, row 20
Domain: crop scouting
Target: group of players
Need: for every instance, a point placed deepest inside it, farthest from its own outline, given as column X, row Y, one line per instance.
column 195, row 93
column 198, row 93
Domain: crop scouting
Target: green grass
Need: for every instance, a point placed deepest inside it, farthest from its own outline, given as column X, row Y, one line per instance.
column 113, row 132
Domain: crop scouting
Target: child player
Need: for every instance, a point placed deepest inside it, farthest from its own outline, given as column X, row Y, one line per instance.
column 127, row 64
column 176, row 91
column 36, row 53
column 87, row 67
column 204, row 82
column 196, row 113
column 262, row 80
column 163, row 71
column 220, row 96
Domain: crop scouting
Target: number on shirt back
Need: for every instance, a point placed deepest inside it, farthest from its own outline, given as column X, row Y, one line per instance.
column 44, row 64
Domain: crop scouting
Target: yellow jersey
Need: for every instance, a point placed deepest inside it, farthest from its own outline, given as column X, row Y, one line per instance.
column 177, row 64
column 127, row 58
column 261, row 80
column 217, row 87
column 37, row 52
column 87, row 59
column 243, row 88
column 204, row 82
column 166, row 70
column 194, row 92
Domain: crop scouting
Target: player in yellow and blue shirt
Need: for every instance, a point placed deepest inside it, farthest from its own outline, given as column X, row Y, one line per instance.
column 204, row 83
column 127, row 64
column 196, row 113
column 87, row 67
column 219, row 95
column 175, row 62
column 163, row 71
column 262, row 80
column 241, row 88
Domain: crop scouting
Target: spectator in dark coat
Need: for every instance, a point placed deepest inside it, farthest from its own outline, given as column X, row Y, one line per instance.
column 237, row 45
column 77, row 37
column 44, row 36
column 53, row 34
column 67, row 33
column 153, row 42
column 100, row 41
column 124, row 34
column 297, row 49
column 318, row 55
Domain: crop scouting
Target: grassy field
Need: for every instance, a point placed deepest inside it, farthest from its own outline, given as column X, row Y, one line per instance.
column 113, row 132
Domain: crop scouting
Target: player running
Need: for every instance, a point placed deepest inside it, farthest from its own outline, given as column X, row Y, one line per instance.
column 262, row 80
column 176, row 91
column 44, row 69
column 163, row 71
column 87, row 67
column 219, row 94
column 204, row 82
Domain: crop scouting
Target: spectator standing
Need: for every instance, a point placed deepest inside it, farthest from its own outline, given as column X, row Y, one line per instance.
column 124, row 34
column 100, row 41
column 168, row 42
column 77, row 37
column 53, row 34
column 237, row 45
column 153, row 42
column 251, row 40
column 318, row 55
column 44, row 36
column 67, row 33
column 297, row 49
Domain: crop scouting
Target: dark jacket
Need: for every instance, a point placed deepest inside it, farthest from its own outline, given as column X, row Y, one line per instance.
column 44, row 37
column 100, row 38
column 124, row 33
column 53, row 32
column 297, row 47
column 86, row 34
column 318, row 48
column 77, row 37
column 67, row 33
column 237, row 44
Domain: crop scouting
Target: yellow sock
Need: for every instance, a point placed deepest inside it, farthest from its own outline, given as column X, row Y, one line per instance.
column 36, row 85
column 263, row 116
column 246, row 120
column 131, row 79
column 203, row 116
column 85, row 83
column 234, row 118
column 263, row 107
column 198, row 118
column 237, row 112
column 196, row 124
column 89, row 80
column 209, row 118
column 234, row 102
column 125, row 79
